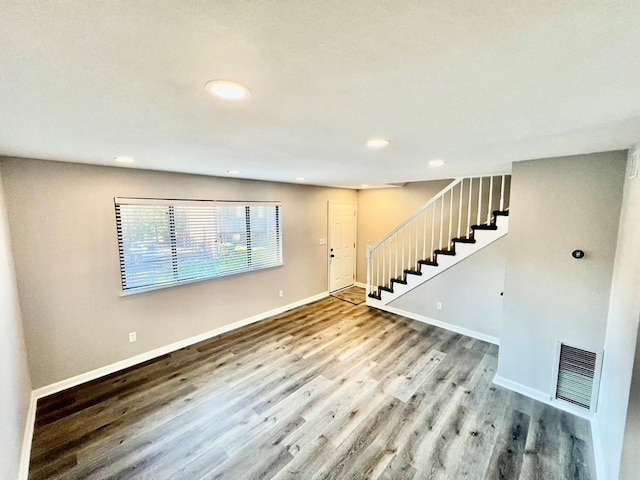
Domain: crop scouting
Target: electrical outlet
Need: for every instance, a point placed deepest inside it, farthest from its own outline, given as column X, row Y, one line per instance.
column 438, row 305
column 133, row 337
column 281, row 293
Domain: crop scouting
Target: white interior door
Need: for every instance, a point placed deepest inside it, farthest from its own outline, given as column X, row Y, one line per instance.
column 342, row 245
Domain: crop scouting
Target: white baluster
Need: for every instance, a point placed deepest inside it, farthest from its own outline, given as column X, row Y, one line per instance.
column 502, row 194
column 460, row 209
column 433, row 230
column 490, row 200
column 480, row 201
column 450, row 217
column 469, row 209
column 424, row 239
column 415, row 260
column 441, row 220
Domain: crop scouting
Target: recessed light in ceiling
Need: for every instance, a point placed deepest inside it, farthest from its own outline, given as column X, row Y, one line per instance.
column 227, row 90
column 300, row 179
column 436, row 163
column 377, row 143
column 364, row 185
column 124, row 159
column 233, row 172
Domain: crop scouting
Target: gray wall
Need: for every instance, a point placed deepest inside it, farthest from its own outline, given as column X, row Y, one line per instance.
column 620, row 345
column 469, row 292
column 380, row 210
column 65, row 248
column 14, row 375
column 558, row 205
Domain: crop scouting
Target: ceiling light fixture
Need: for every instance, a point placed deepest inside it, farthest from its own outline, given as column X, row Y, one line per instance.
column 436, row 163
column 233, row 172
column 227, row 90
column 377, row 143
column 364, row 185
column 124, row 159
column 300, row 179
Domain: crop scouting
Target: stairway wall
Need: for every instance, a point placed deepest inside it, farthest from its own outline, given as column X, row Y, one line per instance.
column 380, row 210
column 558, row 205
column 469, row 292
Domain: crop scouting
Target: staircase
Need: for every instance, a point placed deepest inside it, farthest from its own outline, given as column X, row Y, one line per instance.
column 469, row 214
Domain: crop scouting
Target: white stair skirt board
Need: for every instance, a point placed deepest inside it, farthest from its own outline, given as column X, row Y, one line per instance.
column 463, row 250
column 438, row 323
column 541, row 397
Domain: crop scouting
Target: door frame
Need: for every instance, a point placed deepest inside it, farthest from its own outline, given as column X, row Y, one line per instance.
column 355, row 242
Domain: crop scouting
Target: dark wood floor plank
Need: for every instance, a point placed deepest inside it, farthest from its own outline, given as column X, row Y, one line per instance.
column 328, row 390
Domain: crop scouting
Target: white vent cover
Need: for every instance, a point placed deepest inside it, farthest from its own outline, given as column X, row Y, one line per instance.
column 577, row 370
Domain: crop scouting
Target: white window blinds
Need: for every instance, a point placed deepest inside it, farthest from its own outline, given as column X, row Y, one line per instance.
column 169, row 242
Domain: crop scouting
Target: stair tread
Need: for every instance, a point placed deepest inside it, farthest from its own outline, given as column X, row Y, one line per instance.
column 399, row 280
column 412, row 272
column 464, row 240
column 446, row 251
column 428, row 262
column 484, row 226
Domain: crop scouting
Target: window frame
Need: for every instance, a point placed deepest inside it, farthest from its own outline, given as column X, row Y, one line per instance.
column 172, row 203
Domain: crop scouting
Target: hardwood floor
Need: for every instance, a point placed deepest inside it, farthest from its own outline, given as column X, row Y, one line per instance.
column 327, row 391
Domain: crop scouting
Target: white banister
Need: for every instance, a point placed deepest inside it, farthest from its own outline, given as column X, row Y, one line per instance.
column 415, row 238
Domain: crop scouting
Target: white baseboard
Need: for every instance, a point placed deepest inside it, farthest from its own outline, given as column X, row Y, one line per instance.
column 597, row 448
column 143, row 357
column 361, row 285
column 441, row 324
column 540, row 396
column 25, row 456
column 130, row 362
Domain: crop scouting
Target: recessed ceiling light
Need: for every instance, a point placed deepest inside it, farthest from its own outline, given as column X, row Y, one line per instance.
column 227, row 90
column 364, row 185
column 124, row 159
column 300, row 179
column 377, row 143
column 233, row 172
column 436, row 163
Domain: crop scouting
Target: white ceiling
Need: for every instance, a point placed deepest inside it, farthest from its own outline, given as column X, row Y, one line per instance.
column 477, row 83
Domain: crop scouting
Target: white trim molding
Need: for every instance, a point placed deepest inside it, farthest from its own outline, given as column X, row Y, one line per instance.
column 361, row 285
column 25, row 456
column 144, row 357
column 439, row 323
column 597, row 447
column 540, row 396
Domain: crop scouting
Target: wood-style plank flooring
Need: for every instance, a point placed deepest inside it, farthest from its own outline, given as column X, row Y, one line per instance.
column 330, row 390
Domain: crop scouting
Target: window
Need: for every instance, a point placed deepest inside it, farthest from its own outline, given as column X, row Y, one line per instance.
column 170, row 242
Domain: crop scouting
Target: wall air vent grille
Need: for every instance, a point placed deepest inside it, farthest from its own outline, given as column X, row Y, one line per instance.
column 576, row 376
